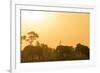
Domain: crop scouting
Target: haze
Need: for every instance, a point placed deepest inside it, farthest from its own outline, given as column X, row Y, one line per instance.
column 52, row 27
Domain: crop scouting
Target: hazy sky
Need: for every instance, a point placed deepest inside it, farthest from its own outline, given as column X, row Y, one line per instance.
column 69, row 27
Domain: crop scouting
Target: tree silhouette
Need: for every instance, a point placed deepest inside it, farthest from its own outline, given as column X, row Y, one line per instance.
column 41, row 52
column 37, row 43
column 23, row 37
column 82, row 51
column 32, row 53
column 32, row 36
column 64, row 52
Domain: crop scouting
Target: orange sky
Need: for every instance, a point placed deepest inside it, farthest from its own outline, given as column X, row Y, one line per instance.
column 70, row 28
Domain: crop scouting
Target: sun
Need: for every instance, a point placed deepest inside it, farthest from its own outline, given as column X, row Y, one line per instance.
column 38, row 16
column 34, row 16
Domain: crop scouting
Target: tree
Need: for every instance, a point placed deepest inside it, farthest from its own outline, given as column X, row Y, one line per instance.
column 64, row 52
column 82, row 51
column 32, row 36
column 37, row 43
column 31, row 54
column 23, row 38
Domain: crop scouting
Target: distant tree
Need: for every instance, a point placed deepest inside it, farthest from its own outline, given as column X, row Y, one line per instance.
column 45, row 51
column 23, row 37
column 44, row 45
column 32, row 36
column 82, row 51
column 32, row 53
column 37, row 43
column 64, row 52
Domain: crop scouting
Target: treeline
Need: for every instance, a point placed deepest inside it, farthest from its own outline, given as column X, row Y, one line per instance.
column 42, row 53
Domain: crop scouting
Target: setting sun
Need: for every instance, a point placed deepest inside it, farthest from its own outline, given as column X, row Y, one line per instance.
column 34, row 16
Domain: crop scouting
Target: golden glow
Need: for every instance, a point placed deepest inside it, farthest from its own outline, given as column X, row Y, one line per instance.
column 70, row 28
column 34, row 16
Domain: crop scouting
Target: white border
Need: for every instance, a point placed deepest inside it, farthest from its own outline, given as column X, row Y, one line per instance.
column 16, row 66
